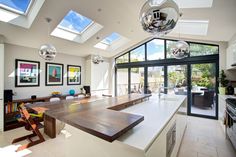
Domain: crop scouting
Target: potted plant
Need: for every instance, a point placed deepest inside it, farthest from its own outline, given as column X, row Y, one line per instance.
column 223, row 83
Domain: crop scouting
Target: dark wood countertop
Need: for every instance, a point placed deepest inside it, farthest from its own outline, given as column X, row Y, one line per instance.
column 100, row 118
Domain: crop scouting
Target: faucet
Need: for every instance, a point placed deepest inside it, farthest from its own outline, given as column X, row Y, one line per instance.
column 159, row 94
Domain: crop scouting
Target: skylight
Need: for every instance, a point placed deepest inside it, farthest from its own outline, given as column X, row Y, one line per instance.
column 112, row 42
column 17, row 6
column 75, row 22
column 194, row 3
column 192, row 27
column 76, row 27
column 111, row 38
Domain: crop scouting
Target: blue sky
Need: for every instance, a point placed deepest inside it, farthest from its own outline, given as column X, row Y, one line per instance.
column 20, row 5
column 111, row 38
column 75, row 22
column 155, row 50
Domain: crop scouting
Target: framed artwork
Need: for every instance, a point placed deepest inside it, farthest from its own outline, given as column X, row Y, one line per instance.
column 27, row 73
column 73, row 75
column 54, row 74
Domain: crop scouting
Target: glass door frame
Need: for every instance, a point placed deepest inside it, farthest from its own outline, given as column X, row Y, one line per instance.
column 189, row 75
column 168, row 62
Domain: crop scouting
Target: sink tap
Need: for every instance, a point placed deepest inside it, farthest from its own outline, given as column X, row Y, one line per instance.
column 159, row 94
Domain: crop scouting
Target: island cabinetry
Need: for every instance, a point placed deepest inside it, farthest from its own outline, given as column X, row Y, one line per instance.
column 168, row 142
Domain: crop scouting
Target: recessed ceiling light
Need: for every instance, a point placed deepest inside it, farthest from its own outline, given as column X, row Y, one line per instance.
column 192, row 27
column 194, row 3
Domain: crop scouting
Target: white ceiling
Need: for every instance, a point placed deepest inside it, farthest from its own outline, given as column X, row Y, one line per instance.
column 116, row 16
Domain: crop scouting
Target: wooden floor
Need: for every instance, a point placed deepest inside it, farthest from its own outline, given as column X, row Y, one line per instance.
column 205, row 138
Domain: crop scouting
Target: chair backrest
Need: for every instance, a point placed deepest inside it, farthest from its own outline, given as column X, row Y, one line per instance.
column 69, row 97
column 29, row 122
column 54, row 99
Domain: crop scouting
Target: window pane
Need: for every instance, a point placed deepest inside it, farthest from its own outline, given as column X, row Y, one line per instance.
column 137, row 80
column 20, row 6
column 155, row 79
column 155, row 49
column 177, row 78
column 201, row 50
column 138, row 54
column 122, row 82
column 169, row 44
column 75, row 22
column 123, row 59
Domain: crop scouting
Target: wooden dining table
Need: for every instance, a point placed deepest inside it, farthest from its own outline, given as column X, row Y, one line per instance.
column 96, row 116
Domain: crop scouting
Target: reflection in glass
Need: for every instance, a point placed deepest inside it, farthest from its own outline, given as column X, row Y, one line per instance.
column 169, row 43
column 137, row 80
column 155, row 49
column 155, row 79
column 137, row 54
column 177, row 79
column 202, row 50
column 122, row 82
column 203, row 92
column 123, row 59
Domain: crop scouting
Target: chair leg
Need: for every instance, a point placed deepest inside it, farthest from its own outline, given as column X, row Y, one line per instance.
column 23, row 138
column 31, row 143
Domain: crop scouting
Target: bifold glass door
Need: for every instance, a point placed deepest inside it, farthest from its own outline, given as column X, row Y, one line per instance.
column 177, row 79
column 155, row 79
column 122, row 81
column 203, row 92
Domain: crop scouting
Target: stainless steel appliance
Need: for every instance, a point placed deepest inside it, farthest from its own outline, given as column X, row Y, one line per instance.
column 231, row 120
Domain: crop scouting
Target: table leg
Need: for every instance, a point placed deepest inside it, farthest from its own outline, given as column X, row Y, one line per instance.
column 50, row 126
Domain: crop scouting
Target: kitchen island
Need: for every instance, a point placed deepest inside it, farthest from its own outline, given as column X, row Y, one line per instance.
column 159, row 135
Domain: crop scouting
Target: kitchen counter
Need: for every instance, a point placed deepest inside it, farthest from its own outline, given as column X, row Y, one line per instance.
column 157, row 114
column 226, row 96
column 148, row 138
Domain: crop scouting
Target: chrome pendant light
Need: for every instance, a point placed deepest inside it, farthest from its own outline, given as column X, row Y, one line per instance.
column 159, row 17
column 47, row 51
column 180, row 49
column 97, row 59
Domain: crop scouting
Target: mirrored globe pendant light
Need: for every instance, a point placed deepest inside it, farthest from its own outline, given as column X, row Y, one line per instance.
column 180, row 49
column 159, row 17
column 48, row 51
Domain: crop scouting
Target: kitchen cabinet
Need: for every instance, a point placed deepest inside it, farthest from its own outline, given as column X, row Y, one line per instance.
column 231, row 56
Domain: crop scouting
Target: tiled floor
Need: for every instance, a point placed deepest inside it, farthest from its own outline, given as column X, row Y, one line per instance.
column 205, row 138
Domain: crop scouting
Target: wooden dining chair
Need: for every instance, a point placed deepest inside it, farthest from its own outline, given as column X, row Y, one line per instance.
column 31, row 123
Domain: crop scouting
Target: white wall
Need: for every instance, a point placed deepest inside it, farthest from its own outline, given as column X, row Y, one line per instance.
column 13, row 52
column 98, row 76
column 1, row 84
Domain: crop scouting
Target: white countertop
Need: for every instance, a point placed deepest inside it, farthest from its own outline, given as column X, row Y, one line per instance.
column 226, row 96
column 157, row 114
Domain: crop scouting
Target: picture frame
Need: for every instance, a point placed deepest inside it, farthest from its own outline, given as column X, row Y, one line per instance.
column 27, row 73
column 54, row 74
column 73, row 75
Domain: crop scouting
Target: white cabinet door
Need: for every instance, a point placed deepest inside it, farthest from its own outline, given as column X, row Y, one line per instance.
column 228, row 58
column 1, row 85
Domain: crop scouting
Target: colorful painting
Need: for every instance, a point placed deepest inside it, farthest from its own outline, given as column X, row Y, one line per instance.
column 54, row 74
column 73, row 75
column 27, row 73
